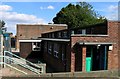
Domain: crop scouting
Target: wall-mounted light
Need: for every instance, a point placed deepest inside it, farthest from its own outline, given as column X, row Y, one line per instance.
column 111, row 47
column 98, row 46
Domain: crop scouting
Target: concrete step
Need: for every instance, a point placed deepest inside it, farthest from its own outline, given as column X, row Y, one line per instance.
column 23, row 69
column 7, row 71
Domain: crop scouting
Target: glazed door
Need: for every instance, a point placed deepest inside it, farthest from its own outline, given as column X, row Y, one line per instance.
column 88, row 64
column 89, row 58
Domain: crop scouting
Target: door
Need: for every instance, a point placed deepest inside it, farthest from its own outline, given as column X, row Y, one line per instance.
column 88, row 64
column 89, row 58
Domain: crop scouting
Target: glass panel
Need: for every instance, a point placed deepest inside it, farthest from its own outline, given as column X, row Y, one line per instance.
column 84, row 31
column 56, row 50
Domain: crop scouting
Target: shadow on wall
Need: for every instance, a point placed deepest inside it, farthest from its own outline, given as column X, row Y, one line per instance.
column 35, row 57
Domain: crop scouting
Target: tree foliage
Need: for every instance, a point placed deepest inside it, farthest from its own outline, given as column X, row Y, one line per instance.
column 78, row 15
column 2, row 23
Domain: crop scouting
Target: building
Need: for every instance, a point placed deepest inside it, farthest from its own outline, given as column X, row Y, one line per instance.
column 27, row 34
column 92, row 48
column 56, row 48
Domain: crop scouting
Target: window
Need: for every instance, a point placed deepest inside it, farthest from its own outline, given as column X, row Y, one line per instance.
column 63, row 56
column 83, row 31
column 36, row 46
column 13, row 42
column 56, row 50
column 65, row 34
column 49, row 35
column 59, row 34
column 53, row 35
column 63, row 52
column 72, row 32
column 50, row 48
column 79, row 31
column 45, row 47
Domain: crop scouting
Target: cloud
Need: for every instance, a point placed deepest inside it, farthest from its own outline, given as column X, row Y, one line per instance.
column 110, row 12
column 12, row 18
column 42, row 8
column 5, row 8
column 113, row 8
column 21, row 18
column 112, row 17
column 48, row 7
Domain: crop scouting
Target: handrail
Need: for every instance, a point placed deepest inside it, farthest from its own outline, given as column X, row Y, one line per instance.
column 21, row 64
column 13, row 67
column 29, row 65
column 22, row 59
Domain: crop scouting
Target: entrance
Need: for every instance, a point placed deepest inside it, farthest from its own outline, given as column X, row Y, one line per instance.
column 88, row 64
column 96, row 57
column 89, row 58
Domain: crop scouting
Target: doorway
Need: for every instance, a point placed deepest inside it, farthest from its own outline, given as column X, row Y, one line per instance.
column 89, row 58
column 96, row 57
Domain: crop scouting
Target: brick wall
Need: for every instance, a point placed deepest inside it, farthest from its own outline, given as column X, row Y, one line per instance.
column 112, row 37
column 25, row 31
column 119, row 44
column 25, row 49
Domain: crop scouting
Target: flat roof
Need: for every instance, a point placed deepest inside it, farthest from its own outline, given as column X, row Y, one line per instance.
column 95, row 43
column 54, row 39
column 45, row 24
column 30, row 40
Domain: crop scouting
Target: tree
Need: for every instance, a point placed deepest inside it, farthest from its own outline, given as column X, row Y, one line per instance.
column 78, row 15
column 2, row 23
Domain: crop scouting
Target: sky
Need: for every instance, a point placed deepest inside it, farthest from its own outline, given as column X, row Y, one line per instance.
column 36, row 12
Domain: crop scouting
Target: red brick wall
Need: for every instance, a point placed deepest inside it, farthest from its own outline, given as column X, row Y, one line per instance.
column 35, row 31
column 72, row 61
column 25, row 49
column 119, row 44
column 112, row 37
column 84, row 59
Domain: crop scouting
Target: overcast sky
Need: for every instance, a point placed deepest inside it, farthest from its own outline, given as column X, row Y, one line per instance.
column 43, row 12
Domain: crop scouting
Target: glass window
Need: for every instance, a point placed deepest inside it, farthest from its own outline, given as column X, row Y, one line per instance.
column 79, row 31
column 63, row 53
column 36, row 46
column 56, row 50
column 49, row 36
column 72, row 32
column 84, row 31
column 53, row 35
column 62, row 56
column 50, row 48
column 59, row 34
column 45, row 47
column 65, row 34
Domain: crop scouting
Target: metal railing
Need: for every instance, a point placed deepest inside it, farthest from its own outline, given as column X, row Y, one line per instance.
column 2, row 63
column 10, row 58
